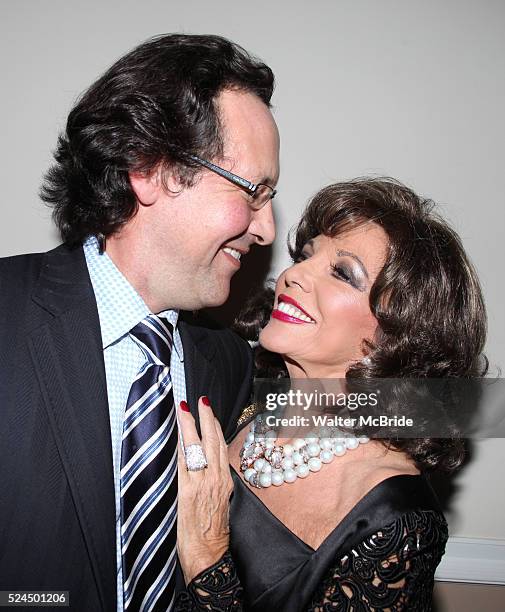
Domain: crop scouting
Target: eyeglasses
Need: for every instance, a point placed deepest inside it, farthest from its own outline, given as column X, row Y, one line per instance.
column 260, row 193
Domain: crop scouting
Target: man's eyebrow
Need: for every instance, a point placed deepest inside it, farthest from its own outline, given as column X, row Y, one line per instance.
column 343, row 253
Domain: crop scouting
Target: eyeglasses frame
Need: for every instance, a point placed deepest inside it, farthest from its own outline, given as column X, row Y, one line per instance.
column 248, row 186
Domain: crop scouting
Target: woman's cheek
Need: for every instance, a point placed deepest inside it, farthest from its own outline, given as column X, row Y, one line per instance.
column 344, row 309
column 351, row 321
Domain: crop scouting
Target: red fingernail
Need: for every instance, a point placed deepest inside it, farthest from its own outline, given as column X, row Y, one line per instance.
column 184, row 406
column 206, row 400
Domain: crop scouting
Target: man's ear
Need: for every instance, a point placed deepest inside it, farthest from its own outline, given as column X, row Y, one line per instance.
column 150, row 186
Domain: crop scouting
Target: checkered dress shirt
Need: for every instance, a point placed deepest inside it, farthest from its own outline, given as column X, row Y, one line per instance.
column 120, row 308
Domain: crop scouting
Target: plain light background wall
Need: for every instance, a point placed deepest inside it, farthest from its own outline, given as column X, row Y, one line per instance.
column 411, row 89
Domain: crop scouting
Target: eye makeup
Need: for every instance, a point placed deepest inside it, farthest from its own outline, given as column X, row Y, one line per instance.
column 344, row 272
column 354, row 274
column 342, row 253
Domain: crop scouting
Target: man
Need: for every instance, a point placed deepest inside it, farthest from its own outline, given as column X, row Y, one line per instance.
column 163, row 180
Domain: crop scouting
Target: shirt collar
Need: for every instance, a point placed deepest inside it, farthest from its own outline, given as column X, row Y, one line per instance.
column 119, row 306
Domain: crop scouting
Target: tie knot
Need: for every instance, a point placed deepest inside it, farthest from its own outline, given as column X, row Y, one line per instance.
column 155, row 335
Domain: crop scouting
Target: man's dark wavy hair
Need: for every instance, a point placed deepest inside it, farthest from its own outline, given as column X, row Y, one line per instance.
column 153, row 106
column 427, row 298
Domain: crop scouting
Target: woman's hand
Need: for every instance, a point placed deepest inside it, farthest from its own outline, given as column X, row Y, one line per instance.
column 204, row 495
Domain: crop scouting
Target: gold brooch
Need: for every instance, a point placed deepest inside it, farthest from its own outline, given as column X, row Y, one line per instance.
column 247, row 413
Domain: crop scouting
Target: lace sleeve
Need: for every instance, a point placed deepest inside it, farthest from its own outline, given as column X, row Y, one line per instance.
column 391, row 570
column 216, row 589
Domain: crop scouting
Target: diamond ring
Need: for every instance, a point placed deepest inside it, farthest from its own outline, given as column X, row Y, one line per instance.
column 195, row 458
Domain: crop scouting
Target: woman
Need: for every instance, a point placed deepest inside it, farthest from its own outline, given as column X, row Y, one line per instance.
column 379, row 287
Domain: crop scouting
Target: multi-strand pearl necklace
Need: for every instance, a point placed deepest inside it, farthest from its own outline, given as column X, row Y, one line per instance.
column 263, row 462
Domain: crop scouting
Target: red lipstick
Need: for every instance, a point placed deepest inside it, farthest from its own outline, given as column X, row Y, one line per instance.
column 290, row 300
column 282, row 316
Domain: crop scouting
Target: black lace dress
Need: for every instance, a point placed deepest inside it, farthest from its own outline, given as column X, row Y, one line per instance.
column 382, row 556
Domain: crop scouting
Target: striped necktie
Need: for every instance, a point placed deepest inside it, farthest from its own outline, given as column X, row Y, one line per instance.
column 148, row 476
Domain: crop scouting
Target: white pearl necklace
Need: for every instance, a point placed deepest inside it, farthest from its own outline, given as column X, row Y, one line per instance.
column 264, row 463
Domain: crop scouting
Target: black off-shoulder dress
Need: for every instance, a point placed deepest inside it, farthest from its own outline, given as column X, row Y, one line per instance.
column 381, row 556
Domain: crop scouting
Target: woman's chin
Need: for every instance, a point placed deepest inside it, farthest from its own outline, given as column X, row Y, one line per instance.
column 274, row 340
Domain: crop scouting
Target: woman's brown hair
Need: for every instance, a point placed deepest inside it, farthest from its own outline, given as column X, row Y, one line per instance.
column 427, row 298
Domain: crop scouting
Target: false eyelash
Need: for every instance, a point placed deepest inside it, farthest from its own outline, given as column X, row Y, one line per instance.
column 345, row 277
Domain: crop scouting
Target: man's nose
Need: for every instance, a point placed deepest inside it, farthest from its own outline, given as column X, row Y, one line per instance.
column 262, row 225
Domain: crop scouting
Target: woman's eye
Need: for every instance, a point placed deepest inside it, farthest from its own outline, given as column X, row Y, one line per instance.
column 342, row 273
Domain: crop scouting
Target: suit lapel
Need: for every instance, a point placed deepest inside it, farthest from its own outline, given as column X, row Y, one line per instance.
column 200, row 372
column 68, row 358
column 223, row 374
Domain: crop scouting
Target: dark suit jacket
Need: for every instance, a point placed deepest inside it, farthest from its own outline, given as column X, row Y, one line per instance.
column 57, row 516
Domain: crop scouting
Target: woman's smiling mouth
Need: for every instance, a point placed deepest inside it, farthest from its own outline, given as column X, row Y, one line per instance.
column 289, row 311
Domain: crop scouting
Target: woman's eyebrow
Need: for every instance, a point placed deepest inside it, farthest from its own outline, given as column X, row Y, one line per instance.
column 343, row 253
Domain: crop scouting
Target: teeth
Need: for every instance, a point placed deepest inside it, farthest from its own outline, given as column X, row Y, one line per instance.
column 292, row 311
column 233, row 252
